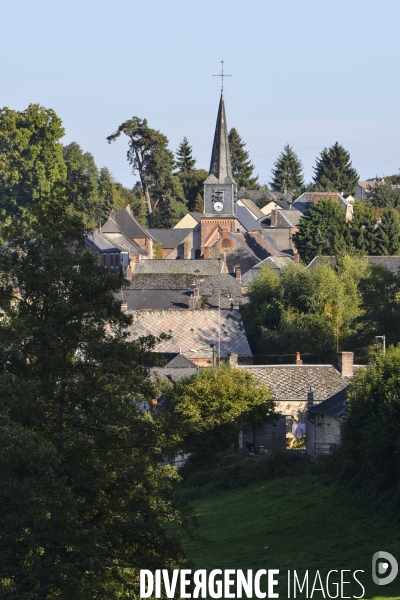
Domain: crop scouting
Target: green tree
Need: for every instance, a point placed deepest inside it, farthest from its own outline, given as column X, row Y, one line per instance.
column 323, row 231
column 242, row 168
column 334, row 172
column 193, row 185
column 383, row 195
column 149, row 156
column 363, row 228
column 82, row 182
column 370, row 442
column 287, row 174
column 388, row 233
column 79, row 443
column 199, row 204
column 31, row 157
column 184, row 159
column 211, row 406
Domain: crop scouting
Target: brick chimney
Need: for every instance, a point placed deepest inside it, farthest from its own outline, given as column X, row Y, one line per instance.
column 298, row 360
column 274, row 217
column 224, row 265
column 233, row 359
column 345, row 363
column 192, row 302
column 238, row 273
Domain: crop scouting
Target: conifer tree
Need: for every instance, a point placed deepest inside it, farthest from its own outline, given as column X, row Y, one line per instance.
column 199, row 203
column 184, row 159
column 287, row 174
column 388, row 234
column 242, row 168
column 334, row 171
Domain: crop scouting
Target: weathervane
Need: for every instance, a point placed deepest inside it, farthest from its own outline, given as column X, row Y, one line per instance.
column 222, row 75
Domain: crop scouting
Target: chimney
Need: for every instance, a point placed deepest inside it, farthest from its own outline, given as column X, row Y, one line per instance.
column 345, row 363
column 224, row 265
column 124, row 306
column 298, row 360
column 296, row 257
column 233, row 359
column 274, row 217
column 186, row 251
column 310, row 396
column 192, row 302
column 238, row 273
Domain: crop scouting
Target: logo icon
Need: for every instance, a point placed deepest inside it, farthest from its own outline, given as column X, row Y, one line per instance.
column 384, row 563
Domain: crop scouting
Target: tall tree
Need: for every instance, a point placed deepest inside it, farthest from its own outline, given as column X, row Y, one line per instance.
column 149, row 156
column 388, row 233
column 364, row 228
column 287, row 173
column 83, row 458
column 323, row 231
column 334, row 172
column 382, row 194
column 82, row 182
column 184, row 158
column 242, row 168
column 193, row 185
column 31, row 157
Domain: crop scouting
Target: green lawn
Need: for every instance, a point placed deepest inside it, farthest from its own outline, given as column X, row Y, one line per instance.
column 293, row 523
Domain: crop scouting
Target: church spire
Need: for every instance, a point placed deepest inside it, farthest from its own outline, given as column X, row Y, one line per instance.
column 220, row 165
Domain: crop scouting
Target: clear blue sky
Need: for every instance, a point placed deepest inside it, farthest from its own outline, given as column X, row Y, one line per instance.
column 307, row 72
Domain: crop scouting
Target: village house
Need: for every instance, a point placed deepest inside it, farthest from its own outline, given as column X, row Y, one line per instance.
column 308, row 199
column 323, row 425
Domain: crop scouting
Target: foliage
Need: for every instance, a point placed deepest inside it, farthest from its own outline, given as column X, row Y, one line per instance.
column 199, row 203
column 31, row 157
column 242, row 168
column 388, row 233
column 193, row 186
column 149, row 156
column 211, row 406
column 370, row 441
column 287, row 174
column 363, row 228
column 82, row 182
column 323, row 231
column 382, row 195
column 304, row 310
column 184, row 158
column 80, row 453
column 334, row 172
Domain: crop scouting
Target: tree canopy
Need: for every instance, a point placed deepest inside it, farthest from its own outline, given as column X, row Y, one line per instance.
column 334, row 172
column 242, row 168
column 287, row 173
column 184, row 158
column 149, row 156
column 31, row 157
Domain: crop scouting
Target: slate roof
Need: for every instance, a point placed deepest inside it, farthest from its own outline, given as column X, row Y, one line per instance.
column 275, row 262
column 196, row 215
column 193, row 331
column 127, row 222
column 170, row 238
column 292, row 382
column 306, row 200
column 335, row 405
column 258, row 246
column 99, row 243
column 220, row 167
column 229, row 287
column 161, row 281
column 120, row 241
column 143, row 299
column 289, row 217
column 253, row 208
column 180, row 361
column 246, row 219
column 392, row 263
column 196, row 267
column 269, row 194
column 172, row 374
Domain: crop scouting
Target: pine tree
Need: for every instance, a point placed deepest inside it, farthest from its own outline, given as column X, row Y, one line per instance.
column 287, row 174
column 242, row 169
column 334, row 172
column 184, row 159
column 389, row 233
column 199, row 203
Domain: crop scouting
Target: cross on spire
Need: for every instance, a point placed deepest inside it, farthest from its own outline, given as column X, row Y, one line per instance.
column 222, row 75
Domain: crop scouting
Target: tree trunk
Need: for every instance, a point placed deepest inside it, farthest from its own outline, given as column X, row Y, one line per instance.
column 144, row 186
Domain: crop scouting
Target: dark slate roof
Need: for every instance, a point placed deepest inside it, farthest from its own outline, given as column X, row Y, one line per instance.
column 173, row 374
column 170, row 238
column 144, row 299
column 392, row 263
column 335, row 405
column 129, row 225
column 196, row 215
column 194, row 267
column 292, row 382
column 246, row 219
column 192, row 331
column 289, row 217
column 179, row 361
column 99, row 243
column 230, row 291
column 258, row 246
column 306, row 200
column 121, row 241
column 161, row 281
column 274, row 262
column 253, row 208
column 267, row 194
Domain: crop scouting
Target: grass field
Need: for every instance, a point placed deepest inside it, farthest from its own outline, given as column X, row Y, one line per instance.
column 302, row 523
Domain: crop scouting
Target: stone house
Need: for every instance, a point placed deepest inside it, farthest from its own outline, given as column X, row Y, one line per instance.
column 324, row 424
column 308, row 199
column 178, row 243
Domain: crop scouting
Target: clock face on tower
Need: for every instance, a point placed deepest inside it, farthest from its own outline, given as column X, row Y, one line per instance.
column 218, row 206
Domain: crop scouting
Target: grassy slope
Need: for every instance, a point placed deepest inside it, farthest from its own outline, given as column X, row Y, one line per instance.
column 306, row 522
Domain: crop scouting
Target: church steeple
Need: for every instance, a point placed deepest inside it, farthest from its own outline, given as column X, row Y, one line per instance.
column 220, row 165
